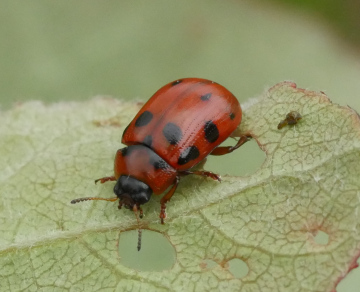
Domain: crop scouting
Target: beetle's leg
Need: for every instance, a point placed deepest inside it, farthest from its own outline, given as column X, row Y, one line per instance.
column 105, row 179
column 210, row 174
column 225, row 150
column 167, row 198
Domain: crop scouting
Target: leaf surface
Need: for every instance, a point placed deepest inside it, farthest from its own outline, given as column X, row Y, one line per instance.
column 308, row 185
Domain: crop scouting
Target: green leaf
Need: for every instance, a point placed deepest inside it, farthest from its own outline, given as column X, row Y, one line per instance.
column 270, row 221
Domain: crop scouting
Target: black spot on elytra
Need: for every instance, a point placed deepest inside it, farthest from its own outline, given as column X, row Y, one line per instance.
column 144, row 119
column 211, row 132
column 148, row 140
column 172, row 133
column 205, row 97
column 232, row 116
column 176, row 82
column 188, row 154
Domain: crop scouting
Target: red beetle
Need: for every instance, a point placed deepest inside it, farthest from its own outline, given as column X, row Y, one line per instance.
column 181, row 124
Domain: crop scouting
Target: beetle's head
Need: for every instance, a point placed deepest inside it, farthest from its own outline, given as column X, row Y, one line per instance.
column 131, row 192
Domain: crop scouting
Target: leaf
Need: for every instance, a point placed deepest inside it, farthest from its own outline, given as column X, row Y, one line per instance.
column 270, row 220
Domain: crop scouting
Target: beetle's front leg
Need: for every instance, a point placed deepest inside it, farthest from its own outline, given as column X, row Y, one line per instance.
column 105, row 179
column 167, row 198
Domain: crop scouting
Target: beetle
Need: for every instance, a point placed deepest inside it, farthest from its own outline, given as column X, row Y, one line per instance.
column 181, row 124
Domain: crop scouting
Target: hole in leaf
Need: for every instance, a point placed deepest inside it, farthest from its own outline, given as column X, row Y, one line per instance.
column 243, row 161
column 350, row 280
column 238, row 268
column 321, row 238
column 156, row 254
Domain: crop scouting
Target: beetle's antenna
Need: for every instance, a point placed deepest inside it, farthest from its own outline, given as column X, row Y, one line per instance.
column 93, row 198
column 135, row 209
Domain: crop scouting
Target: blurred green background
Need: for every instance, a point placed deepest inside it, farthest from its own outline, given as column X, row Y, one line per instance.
column 74, row 50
